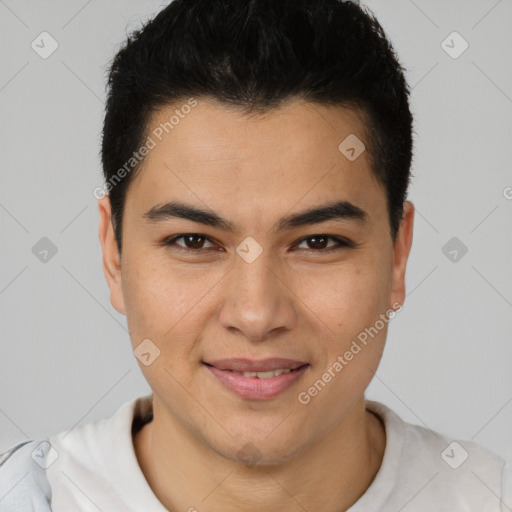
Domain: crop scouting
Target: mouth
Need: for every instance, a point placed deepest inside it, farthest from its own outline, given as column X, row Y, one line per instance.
column 257, row 379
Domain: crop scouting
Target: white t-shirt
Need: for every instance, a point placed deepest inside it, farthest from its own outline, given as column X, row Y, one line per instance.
column 94, row 467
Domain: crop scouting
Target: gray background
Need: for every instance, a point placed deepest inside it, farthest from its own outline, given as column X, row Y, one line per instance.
column 66, row 358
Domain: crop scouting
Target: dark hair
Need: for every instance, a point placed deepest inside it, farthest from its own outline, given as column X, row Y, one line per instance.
column 254, row 55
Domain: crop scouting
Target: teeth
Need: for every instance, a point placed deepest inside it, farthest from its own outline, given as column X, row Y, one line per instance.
column 264, row 375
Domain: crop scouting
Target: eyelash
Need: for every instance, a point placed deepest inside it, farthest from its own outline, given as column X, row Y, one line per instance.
column 342, row 243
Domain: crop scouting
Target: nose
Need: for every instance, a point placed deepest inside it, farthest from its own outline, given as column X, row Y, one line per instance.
column 258, row 301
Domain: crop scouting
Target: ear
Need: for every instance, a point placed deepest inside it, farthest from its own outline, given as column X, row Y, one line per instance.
column 401, row 252
column 111, row 256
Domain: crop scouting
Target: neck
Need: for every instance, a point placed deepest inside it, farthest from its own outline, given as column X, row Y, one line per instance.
column 330, row 476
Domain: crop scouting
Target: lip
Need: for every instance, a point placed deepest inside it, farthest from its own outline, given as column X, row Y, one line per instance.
column 255, row 365
column 254, row 388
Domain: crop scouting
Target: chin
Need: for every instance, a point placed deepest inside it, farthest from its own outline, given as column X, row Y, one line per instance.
column 259, row 453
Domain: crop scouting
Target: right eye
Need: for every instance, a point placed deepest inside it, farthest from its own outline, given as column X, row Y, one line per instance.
column 193, row 242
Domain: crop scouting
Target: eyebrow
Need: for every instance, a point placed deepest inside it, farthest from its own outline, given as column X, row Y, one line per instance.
column 341, row 210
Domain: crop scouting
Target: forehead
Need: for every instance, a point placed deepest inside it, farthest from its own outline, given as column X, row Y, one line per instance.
column 220, row 157
column 213, row 131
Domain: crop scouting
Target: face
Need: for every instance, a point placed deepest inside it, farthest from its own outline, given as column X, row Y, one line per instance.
column 250, row 279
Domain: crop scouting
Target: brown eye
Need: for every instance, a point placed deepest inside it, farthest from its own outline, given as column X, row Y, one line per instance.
column 318, row 243
column 192, row 241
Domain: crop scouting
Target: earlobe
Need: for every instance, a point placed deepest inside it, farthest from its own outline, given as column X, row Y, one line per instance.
column 401, row 252
column 111, row 258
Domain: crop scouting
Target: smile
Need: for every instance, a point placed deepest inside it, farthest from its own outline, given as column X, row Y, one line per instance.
column 257, row 380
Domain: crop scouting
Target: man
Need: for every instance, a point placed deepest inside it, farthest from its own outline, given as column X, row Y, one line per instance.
column 256, row 234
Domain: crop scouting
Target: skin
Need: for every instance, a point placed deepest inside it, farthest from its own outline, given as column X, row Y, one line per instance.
column 303, row 304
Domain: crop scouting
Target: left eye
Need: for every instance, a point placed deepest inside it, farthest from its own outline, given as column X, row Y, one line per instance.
column 317, row 243
column 320, row 241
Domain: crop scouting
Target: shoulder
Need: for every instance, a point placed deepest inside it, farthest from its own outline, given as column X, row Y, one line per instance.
column 24, row 486
column 31, row 471
column 506, row 487
column 460, row 474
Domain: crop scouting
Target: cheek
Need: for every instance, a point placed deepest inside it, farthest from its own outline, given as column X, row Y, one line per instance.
column 159, row 305
column 360, row 329
column 345, row 298
column 354, row 344
column 156, row 295
column 153, row 304
column 169, row 305
column 349, row 300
